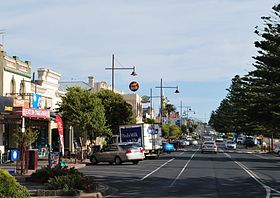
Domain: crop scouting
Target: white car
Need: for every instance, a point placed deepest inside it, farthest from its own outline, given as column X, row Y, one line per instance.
column 209, row 146
column 230, row 145
column 219, row 139
column 277, row 149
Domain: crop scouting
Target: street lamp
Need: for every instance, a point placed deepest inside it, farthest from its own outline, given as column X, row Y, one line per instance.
column 113, row 68
column 161, row 96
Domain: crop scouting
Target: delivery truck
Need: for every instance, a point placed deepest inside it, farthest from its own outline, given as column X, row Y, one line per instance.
column 147, row 135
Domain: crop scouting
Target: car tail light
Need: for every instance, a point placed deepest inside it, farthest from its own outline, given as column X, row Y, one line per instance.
column 128, row 151
column 141, row 150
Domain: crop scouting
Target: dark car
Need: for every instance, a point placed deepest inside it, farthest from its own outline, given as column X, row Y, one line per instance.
column 249, row 142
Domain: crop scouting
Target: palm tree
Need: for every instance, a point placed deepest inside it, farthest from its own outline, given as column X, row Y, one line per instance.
column 170, row 108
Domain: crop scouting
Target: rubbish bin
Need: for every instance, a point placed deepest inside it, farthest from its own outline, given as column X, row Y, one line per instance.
column 33, row 159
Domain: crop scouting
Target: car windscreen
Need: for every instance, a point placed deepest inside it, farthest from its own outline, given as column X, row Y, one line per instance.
column 128, row 146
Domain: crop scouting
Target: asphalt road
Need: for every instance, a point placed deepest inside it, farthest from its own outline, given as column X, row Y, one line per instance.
column 192, row 174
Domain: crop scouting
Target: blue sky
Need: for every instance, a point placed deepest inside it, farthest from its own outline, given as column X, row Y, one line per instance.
column 198, row 45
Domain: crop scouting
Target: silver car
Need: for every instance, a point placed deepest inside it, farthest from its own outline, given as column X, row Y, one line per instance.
column 118, row 153
column 209, row 146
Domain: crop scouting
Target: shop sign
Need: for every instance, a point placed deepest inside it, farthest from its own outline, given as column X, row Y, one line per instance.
column 21, row 103
column 134, row 86
column 6, row 104
column 145, row 99
column 34, row 113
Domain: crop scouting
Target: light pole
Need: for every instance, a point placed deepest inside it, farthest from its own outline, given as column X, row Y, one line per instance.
column 113, row 68
column 161, row 87
column 151, row 101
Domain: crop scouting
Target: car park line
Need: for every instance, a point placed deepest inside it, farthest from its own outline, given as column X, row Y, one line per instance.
column 255, row 177
column 156, row 169
column 183, row 169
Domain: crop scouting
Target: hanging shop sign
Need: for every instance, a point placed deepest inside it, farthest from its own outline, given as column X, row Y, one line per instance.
column 21, row 103
column 134, row 86
column 36, row 101
column 33, row 113
column 6, row 104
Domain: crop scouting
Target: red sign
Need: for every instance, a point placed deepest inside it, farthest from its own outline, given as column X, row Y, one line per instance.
column 33, row 113
column 60, row 132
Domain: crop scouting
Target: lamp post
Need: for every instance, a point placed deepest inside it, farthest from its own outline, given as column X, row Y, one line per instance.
column 161, row 87
column 151, row 101
column 113, row 68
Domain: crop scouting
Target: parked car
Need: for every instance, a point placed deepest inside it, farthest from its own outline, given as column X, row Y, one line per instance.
column 118, row 153
column 277, row 149
column 240, row 140
column 230, row 144
column 209, row 146
column 249, row 141
column 168, row 147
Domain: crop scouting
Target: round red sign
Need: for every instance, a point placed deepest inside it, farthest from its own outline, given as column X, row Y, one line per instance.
column 134, row 86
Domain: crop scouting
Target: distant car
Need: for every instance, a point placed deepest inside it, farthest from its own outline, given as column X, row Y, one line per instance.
column 240, row 140
column 209, row 146
column 230, row 145
column 277, row 149
column 168, row 147
column 194, row 142
column 118, row 153
column 249, row 141
column 219, row 139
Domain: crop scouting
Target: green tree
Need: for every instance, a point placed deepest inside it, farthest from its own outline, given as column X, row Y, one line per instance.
column 165, row 130
column 170, row 108
column 24, row 140
column 117, row 110
column 264, row 81
column 85, row 111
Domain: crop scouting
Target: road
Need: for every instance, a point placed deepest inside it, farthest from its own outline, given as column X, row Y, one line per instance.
column 189, row 173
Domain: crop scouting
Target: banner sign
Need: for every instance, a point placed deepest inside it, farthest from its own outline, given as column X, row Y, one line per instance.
column 36, row 101
column 6, row 104
column 60, row 132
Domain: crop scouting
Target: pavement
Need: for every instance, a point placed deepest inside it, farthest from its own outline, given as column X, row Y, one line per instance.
column 13, row 169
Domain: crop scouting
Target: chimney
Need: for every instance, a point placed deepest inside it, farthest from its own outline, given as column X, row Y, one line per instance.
column 91, row 81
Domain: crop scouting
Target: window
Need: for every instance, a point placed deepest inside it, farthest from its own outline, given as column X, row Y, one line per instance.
column 13, row 86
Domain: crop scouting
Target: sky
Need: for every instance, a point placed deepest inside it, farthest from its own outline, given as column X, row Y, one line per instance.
column 197, row 45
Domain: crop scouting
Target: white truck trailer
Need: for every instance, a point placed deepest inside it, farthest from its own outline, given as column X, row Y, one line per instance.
column 147, row 135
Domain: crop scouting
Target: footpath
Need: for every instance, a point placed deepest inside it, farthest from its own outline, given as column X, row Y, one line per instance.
column 34, row 187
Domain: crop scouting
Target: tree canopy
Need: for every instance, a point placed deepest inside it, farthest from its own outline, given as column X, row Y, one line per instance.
column 84, row 110
column 117, row 110
column 253, row 101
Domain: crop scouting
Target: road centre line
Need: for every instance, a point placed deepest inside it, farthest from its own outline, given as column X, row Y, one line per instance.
column 255, row 177
column 157, row 169
column 183, row 169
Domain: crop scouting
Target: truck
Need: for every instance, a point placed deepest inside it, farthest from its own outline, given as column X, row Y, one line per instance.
column 147, row 136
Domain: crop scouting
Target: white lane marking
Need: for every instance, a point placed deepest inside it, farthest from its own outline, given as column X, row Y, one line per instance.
column 254, row 176
column 157, row 169
column 183, row 169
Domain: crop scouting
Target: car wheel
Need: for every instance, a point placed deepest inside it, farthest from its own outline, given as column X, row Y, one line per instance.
column 118, row 161
column 135, row 162
column 93, row 160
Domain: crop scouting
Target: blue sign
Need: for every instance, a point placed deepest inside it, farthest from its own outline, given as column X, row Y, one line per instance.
column 14, row 154
column 178, row 122
column 36, row 99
